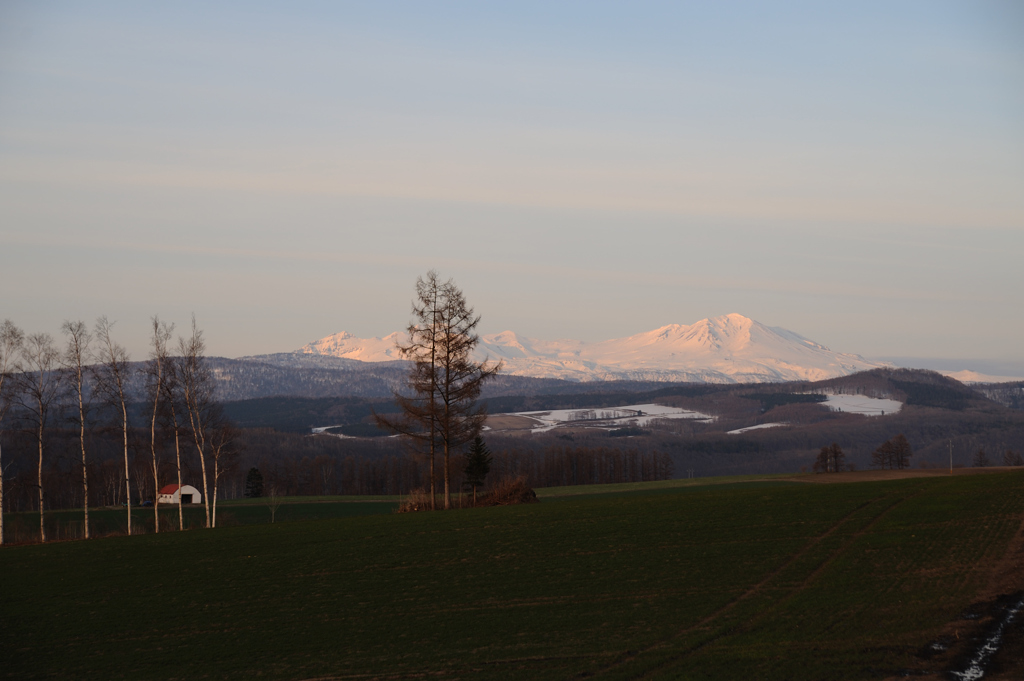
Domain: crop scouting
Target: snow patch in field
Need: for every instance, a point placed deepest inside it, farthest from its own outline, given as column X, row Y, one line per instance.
column 609, row 417
column 861, row 404
column 740, row 431
column 320, row 429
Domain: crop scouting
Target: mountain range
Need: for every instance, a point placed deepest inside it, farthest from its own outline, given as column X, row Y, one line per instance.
column 726, row 349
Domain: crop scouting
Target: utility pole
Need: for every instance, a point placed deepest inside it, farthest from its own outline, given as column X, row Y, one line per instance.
column 951, row 456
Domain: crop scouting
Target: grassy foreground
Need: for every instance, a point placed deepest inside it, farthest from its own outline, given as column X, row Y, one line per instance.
column 768, row 580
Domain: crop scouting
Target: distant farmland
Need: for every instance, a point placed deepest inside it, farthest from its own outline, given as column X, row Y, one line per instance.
column 761, row 579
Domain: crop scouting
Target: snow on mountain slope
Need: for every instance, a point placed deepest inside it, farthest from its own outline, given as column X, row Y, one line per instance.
column 727, row 349
column 346, row 345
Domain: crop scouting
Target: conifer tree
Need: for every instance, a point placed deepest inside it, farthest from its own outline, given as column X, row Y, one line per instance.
column 444, row 381
column 478, row 464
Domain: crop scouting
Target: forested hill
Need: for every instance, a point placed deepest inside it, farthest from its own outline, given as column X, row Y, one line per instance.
column 317, row 377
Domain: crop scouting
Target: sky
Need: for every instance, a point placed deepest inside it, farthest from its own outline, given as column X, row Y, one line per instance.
column 853, row 172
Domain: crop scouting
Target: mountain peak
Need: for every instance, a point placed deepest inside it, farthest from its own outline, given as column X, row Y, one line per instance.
column 729, row 348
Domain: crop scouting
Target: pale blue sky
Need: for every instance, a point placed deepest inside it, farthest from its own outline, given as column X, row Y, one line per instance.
column 850, row 171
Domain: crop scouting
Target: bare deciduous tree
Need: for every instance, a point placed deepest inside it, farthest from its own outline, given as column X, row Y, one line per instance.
column 459, row 378
column 901, row 451
column 418, row 421
column 197, row 390
column 172, row 410
column 76, row 361
column 11, row 338
column 444, row 380
column 39, row 386
column 831, row 459
column 113, row 374
column 893, row 453
column 273, row 501
column 222, row 437
column 157, row 373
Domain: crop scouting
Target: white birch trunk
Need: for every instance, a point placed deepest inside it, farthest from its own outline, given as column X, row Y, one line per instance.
column 177, row 456
column 42, row 528
column 152, row 446
column 81, row 441
column 127, row 477
column 1, row 494
column 216, row 467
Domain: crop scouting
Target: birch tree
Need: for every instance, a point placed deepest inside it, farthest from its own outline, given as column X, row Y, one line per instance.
column 171, row 409
column 157, row 371
column 76, row 360
column 197, row 390
column 222, row 438
column 39, row 386
column 11, row 338
column 113, row 375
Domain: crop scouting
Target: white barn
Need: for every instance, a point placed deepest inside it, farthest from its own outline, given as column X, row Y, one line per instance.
column 169, row 494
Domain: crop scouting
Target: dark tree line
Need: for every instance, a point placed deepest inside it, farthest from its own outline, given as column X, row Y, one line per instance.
column 557, row 465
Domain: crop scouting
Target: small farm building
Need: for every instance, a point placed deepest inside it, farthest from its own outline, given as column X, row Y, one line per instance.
column 169, row 494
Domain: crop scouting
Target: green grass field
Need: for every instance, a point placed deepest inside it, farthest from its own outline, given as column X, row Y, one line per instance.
column 768, row 580
column 24, row 527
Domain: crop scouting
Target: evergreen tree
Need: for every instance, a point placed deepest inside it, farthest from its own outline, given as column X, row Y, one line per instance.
column 478, row 464
column 254, row 484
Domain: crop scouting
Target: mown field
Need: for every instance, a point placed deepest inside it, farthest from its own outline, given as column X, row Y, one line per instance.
column 768, row 580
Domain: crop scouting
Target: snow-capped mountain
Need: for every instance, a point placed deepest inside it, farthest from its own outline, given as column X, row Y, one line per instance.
column 348, row 346
column 727, row 349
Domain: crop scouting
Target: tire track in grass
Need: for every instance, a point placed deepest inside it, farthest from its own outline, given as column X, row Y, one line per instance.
column 617, row 668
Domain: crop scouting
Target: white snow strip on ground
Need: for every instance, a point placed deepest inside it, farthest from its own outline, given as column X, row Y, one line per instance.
column 739, row 431
column 860, row 404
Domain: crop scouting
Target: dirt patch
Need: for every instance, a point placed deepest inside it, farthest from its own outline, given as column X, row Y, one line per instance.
column 510, row 422
column 873, row 475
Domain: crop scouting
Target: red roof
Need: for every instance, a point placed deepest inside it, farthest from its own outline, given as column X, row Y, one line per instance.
column 168, row 489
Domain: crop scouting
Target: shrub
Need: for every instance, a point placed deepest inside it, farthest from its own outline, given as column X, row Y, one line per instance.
column 418, row 500
column 509, row 491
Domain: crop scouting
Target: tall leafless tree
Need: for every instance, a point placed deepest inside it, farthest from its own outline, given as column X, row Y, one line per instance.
column 76, row 361
column 197, row 390
column 222, row 437
column 157, row 371
column 901, row 451
column 444, row 380
column 459, row 378
column 40, row 384
column 171, row 410
column 418, row 420
column 11, row 338
column 831, row 459
column 893, row 453
column 113, row 374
